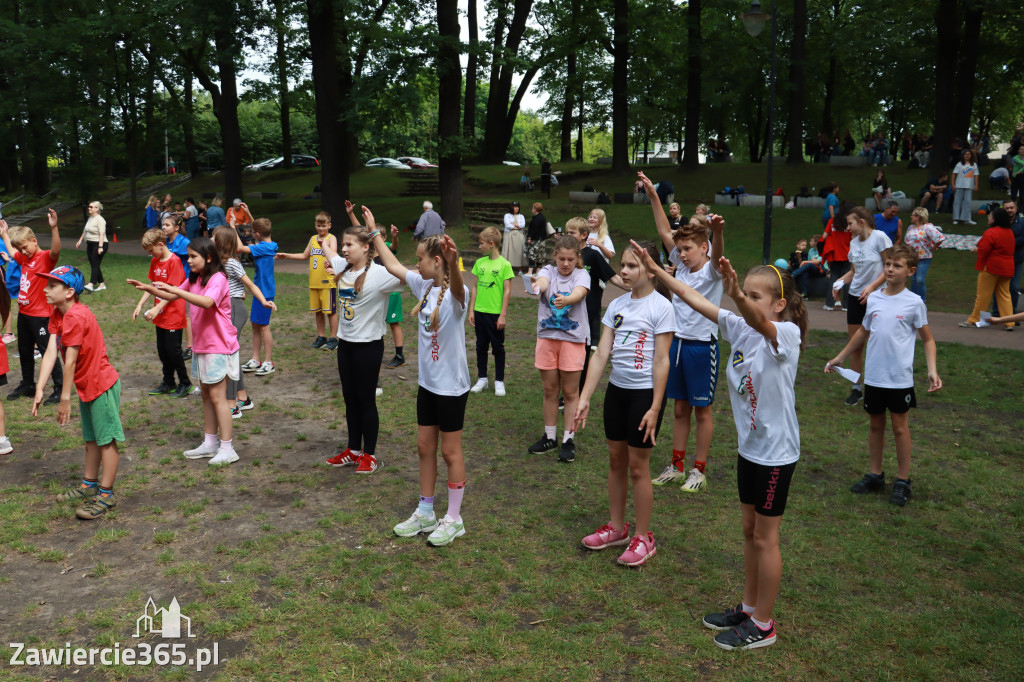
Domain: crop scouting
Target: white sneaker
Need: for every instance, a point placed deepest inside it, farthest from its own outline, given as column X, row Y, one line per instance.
column 101, row 287
column 480, row 385
column 203, row 450
column 36, row 355
column 379, row 392
column 671, row 473
column 89, row 287
column 224, row 456
column 5, row 446
column 971, row 222
column 251, row 366
column 416, row 524
column 499, row 388
column 196, row 390
column 695, row 482
column 265, row 369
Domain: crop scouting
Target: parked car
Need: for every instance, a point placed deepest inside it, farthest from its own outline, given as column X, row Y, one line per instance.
column 261, row 164
column 512, row 163
column 298, row 161
column 416, row 162
column 385, row 162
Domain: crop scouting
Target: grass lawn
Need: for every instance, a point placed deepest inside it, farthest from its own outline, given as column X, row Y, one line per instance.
column 290, row 566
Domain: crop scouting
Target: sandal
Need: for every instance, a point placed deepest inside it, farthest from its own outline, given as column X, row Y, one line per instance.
column 95, row 508
column 77, row 492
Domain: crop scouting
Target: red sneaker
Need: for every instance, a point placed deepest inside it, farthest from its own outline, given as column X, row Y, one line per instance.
column 640, row 550
column 367, row 464
column 606, row 536
column 345, row 458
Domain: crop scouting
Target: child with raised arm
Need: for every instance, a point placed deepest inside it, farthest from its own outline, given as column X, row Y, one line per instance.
column 637, row 333
column 892, row 316
column 322, row 292
column 168, row 317
column 488, row 305
column 263, row 253
column 77, row 337
column 33, row 310
column 443, row 377
column 216, row 344
column 693, row 358
column 766, row 339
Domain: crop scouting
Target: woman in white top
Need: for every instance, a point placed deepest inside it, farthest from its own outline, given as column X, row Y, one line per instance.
column 599, row 238
column 965, row 184
column 514, row 239
column 95, row 235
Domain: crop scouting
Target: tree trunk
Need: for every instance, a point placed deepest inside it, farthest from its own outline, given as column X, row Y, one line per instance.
column 579, row 132
column 148, row 108
column 333, row 162
column 796, row 84
column 947, row 22
column 567, row 107
column 830, row 96
column 188, row 128
column 449, row 82
column 966, row 70
column 502, row 73
column 693, row 79
column 469, row 111
column 620, row 84
column 517, row 101
column 281, row 28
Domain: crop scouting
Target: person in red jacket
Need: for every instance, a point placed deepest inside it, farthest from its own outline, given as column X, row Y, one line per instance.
column 995, row 268
column 836, row 252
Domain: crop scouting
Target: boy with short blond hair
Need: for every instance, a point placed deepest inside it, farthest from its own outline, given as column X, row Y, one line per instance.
column 263, row 253
column 33, row 310
column 322, row 292
column 488, row 305
column 168, row 317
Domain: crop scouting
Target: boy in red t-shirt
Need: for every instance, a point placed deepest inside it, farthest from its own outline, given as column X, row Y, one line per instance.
column 33, row 311
column 76, row 334
column 167, row 316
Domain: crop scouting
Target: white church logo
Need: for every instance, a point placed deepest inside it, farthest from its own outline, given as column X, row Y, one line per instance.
column 164, row 622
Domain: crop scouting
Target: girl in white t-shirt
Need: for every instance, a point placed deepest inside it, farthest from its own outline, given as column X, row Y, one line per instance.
column 599, row 239
column 765, row 339
column 865, row 275
column 364, row 290
column 965, row 184
column 637, row 333
column 443, row 376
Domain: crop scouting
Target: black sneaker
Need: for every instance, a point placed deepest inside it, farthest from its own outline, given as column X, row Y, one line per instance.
column 319, row 343
column 561, row 404
column 543, row 445
column 723, row 620
column 22, row 391
column 396, row 362
column 181, row 391
column 900, row 492
column 870, row 483
column 332, row 344
column 54, row 399
column 162, row 389
column 855, row 397
column 746, row 635
column 568, row 451
column 186, row 354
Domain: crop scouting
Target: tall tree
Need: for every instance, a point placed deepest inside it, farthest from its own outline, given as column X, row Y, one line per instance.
column 620, row 85
column 694, row 74
column 947, row 22
column 797, row 48
column 504, row 62
column 469, row 115
column 334, row 176
column 449, row 80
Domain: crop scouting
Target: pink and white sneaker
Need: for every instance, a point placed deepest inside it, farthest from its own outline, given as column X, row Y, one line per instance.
column 345, row 458
column 606, row 536
column 640, row 550
column 367, row 464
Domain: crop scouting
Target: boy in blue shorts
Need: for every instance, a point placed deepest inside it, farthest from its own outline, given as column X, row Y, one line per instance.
column 263, row 253
column 693, row 357
column 891, row 317
column 76, row 335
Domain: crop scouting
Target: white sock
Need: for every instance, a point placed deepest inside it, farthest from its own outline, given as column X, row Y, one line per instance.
column 759, row 624
column 210, row 440
column 226, row 445
column 747, row 609
column 857, row 387
column 549, row 432
column 568, row 435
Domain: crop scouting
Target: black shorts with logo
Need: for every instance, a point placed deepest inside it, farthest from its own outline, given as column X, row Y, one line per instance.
column 765, row 487
column 896, row 400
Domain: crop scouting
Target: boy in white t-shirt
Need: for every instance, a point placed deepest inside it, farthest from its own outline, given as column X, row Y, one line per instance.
column 693, row 357
column 891, row 317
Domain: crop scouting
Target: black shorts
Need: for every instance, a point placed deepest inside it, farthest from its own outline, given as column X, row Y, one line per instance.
column 624, row 409
column 896, row 400
column 855, row 310
column 447, row 412
column 3, row 379
column 765, row 487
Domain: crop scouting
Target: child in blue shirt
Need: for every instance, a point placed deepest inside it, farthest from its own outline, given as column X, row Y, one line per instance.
column 178, row 245
column 263, row 253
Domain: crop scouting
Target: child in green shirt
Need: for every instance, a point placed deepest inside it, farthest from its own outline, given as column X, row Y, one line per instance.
column 488, row 305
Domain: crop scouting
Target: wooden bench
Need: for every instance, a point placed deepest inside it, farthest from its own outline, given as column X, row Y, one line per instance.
column 757, row 200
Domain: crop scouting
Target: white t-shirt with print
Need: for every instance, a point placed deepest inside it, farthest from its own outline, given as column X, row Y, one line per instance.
column 893, row 321
column 707, row 282
column 761, row 390
column 965, row 175
column 442, row 353
column 362, row 316
column 866, row 258
column 634, row 323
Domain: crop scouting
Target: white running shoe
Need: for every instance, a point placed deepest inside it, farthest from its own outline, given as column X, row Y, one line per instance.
column 101, row 287
column 5, row 446
column 480, row 385
column 416, row 524
column 499, row 388
column 203, row 450
column 251, row 366
column 670, row 474
column 224, row 457
column 695, row 482
column 265, row 369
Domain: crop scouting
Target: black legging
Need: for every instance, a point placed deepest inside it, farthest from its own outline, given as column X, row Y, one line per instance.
column 92, row 250
column 488, row 334
column 168, row 349
column 359, row 369
column 32, row 333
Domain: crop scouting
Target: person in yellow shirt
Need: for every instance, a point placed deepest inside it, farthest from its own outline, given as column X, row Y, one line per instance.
column 322, row 292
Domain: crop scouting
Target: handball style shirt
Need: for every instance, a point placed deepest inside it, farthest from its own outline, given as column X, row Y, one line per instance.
column 761, row 390
column 442, row 353
column 362, row 315
column 866, row 257
column 707, row 282
column 170, row 271
column 491, row 275
column 893, row 321
column 563, row 324
column 634, row 323
column 213, row 331
column 93, row 371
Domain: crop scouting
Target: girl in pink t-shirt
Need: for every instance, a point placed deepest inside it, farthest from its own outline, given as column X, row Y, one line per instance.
column 215, row 344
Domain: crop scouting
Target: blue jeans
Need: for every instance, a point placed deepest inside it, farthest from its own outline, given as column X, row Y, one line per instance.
column 1014, row 286
column 917, row 284
column 880, row 157
column 802, row 274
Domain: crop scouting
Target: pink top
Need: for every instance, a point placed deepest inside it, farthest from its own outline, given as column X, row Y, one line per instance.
column 212, row 331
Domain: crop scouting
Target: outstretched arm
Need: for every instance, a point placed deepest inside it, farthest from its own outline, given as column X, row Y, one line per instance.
column 350, row 209
column 717, row 224
column 856, row 341
column 752, row 315
column 660, row 219
column 388, row 260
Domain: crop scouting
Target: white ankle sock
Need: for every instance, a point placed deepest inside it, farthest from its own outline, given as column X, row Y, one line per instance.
column 568, row 435
column 549, row 432
column 210, row 440
column 226, row 445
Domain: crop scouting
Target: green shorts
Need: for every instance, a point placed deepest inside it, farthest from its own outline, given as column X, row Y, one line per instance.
column 394, row 307
column 101, row 418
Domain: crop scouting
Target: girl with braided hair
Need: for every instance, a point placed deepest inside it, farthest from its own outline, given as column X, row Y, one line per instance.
column 443, row 376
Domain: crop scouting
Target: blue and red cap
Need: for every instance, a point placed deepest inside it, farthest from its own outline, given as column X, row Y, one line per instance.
column 68, row 275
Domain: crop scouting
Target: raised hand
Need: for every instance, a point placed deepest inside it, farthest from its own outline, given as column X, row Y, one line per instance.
column 51, row 217
column 449, row 250
column 349, row 206
column 371, row 224
column 730, row 280
column 394, row 231
column 648, row 185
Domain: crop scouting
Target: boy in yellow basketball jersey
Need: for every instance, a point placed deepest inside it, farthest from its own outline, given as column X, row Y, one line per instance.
column 322, row 292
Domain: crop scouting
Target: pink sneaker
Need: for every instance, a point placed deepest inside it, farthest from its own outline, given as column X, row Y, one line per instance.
column 640, row 549
column 367, row 464
column 345, row 458
column 606, row 536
